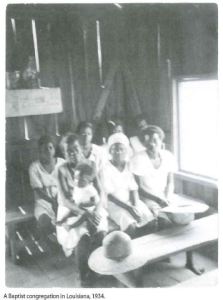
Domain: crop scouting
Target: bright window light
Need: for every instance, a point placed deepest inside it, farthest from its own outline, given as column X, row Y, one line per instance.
column 197, row 125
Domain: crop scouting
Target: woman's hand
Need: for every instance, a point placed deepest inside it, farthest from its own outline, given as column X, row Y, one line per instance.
column 155, row 211
column 164, row 202
column 134, row 212
column 94, row 218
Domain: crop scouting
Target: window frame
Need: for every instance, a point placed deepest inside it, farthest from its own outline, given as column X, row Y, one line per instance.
column 181, row 173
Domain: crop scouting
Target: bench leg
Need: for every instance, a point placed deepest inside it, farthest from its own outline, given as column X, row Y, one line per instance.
column 12, row 243
column 128, row 279
column 191, row 265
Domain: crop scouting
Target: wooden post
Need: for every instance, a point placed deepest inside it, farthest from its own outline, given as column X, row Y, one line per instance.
column 130, row 84
column 106, row 91
column 35, row 44
column 72, row 88
column 99, row 53
column 158, row 45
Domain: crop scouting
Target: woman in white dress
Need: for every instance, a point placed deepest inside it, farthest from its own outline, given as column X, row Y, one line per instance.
column 124, row 206
column 154, row 168
column 43, row 180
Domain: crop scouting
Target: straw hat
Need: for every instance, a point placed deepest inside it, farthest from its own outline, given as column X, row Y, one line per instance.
column 118, row 254
column 183, row 214
column 186, row 208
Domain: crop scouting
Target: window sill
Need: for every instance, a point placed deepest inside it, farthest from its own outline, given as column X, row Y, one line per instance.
column 197, row 179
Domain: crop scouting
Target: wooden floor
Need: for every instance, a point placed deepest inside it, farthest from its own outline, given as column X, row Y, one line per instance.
column 53, row 269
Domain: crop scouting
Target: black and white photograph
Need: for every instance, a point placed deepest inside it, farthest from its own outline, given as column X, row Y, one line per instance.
column 111, row 134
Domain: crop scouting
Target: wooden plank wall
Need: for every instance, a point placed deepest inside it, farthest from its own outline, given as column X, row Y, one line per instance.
column 151, row 43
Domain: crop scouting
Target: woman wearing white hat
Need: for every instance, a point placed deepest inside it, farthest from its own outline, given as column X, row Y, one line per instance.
column 124, row 206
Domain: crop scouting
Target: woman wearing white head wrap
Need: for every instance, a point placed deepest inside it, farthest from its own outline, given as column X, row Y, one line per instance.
column 124, row 206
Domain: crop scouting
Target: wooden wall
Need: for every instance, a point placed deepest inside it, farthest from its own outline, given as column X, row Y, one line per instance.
column 144, row 46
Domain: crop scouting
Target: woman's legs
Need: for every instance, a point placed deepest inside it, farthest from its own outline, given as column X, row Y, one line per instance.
column 164, row 223
column 97, row 239
column 150, row 227
column 83, row 252
column 191, row 265
column 131, row 231
column 45, row 226
column 85, row 246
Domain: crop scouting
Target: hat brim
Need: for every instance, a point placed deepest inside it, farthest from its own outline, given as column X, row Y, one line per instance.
column 186, row 208
column 103, row 265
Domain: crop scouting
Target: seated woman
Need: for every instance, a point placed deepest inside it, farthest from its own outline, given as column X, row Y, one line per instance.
column 78, row 235
column 43, row 180
column 90, row 151
column 153, row 168
column 124, row 206
column 136, row 141
column 86, row 197
column 115, row 126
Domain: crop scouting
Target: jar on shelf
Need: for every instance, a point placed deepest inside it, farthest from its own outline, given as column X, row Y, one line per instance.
column 30, row 75
column 13, row 80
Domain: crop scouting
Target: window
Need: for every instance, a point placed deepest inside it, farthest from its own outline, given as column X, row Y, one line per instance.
column 197, row 114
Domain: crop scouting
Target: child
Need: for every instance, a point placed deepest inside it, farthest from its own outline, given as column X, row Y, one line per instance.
column 86, row 197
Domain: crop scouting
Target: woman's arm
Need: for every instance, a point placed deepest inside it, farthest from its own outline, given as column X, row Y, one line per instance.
column 169, row 190
column 67, row 195
column 134, row 197
column 81, row 220
column 43, row 195
column 159, row 200
column 125, row 206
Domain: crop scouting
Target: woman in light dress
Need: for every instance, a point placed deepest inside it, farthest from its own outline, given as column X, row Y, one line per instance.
column 123, row 205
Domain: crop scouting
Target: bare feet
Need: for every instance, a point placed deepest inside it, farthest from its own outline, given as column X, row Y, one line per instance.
column 191, row 265
column 197, row 271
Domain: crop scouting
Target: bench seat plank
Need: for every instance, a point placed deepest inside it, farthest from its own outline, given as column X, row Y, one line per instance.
column 173, row 240
column 16, row 216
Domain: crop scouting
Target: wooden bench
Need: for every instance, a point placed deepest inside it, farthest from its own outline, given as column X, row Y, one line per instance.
column 14, row 218
column 160, row 245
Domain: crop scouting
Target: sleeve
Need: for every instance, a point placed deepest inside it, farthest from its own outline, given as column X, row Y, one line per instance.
column 136, row 145
column 103, row 158
column 34, row 176
column 106, row 181
column 65, row 190
column 132, row 183
column 171, row 162
column 93, row 192
column 136, row 165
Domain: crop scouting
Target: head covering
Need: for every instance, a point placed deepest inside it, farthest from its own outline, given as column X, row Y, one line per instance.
column 118, row 254
column 120, row 138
